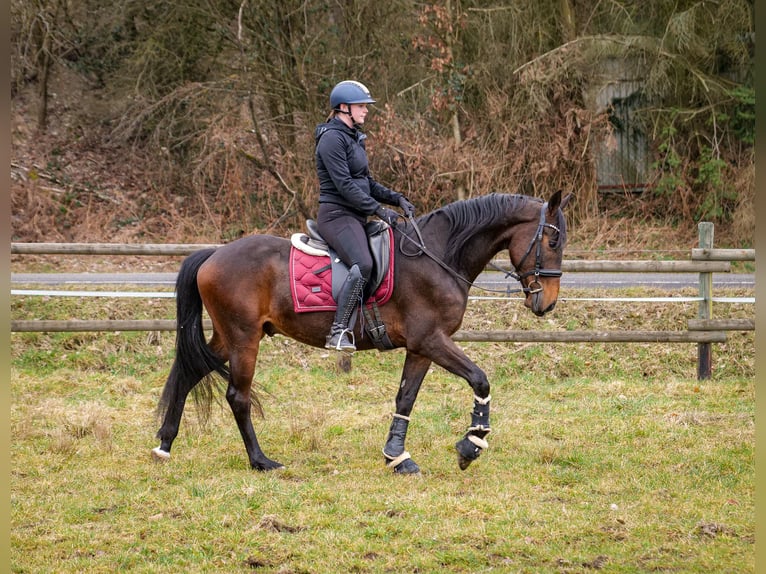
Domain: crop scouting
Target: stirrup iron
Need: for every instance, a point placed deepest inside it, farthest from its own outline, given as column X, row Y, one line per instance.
column 340, row 339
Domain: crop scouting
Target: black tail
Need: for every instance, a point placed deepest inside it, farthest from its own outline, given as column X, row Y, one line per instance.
column 194, row 362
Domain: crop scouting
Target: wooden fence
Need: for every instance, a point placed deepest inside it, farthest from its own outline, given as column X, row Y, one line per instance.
column 705, row 330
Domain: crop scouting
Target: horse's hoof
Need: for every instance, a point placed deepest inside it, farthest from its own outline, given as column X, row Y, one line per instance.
column 268, row 465
column 468, row 451
column 463, row 462
column 160, row 455
column 408, row 466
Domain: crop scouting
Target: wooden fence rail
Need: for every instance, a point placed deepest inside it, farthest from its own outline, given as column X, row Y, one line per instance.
column 704, row 330
column 698, row 335
column 172, row 249
column 695, row 265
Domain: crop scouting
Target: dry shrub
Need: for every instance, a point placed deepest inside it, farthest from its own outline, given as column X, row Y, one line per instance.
column 619, row 236
column 34, row 212
column 742, row 229
column 412, row 158
column 533, row 158
column 533, row 140
column 239, row 174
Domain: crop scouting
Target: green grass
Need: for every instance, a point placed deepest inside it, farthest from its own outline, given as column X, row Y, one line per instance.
column 609, row 458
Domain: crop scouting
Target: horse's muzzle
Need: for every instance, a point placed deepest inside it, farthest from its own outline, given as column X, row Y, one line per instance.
column 542, row 301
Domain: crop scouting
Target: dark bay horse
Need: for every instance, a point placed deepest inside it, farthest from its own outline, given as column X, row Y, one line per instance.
column 244, row 286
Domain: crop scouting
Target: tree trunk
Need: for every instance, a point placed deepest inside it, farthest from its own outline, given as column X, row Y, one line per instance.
column 458, row 140
column 455, row 120
column 43, row 73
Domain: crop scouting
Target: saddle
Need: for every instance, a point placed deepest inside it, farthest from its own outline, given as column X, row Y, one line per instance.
column 309, row 278
column 379, row 240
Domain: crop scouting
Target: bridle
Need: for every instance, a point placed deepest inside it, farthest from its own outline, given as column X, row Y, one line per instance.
column 536, row 244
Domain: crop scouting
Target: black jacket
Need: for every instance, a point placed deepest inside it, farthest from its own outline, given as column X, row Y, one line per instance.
column 343, row 171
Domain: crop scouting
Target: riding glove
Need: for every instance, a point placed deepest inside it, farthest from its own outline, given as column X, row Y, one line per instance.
column 407, row 207
column 387, row 215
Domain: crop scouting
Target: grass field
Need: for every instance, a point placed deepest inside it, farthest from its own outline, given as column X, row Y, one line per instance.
column 609, row 458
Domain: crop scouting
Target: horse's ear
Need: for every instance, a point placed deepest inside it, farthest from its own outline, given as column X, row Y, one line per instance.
column 556, row 201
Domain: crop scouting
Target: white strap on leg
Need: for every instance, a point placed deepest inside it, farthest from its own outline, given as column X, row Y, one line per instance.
column 396, row 461
column 482, row 401
column 397, row 416
column 480, row 442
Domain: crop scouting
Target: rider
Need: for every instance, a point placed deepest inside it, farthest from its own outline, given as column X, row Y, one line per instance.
column 347, row 196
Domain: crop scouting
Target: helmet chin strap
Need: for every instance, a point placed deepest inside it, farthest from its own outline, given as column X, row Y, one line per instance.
column 348, row 113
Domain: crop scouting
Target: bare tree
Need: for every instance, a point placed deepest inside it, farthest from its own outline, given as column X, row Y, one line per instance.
column 473, row 96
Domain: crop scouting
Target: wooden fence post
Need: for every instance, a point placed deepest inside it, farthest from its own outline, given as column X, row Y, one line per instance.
column 704, row 350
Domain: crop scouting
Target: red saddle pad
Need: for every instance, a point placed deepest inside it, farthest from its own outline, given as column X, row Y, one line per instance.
column 311, row 285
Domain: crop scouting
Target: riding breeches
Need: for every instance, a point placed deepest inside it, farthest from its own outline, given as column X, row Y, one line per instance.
column 343, row 230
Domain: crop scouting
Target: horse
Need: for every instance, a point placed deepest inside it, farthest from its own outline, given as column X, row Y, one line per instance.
column 244, row 287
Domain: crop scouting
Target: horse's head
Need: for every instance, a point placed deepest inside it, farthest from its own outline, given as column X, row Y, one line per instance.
column 536, row 251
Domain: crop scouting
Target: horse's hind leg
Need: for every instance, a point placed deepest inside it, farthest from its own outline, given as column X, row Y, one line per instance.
column 242, row 363
column 397, row 457
column 177, row 388
column 172, row 419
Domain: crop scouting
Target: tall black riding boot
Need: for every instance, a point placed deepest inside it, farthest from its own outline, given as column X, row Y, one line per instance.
column 341, row 337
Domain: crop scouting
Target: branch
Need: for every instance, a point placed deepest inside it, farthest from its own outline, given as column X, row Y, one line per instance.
column 548, row 53
column 72, row 187
column 415, row 85
column 266, row 163
column 239, row 22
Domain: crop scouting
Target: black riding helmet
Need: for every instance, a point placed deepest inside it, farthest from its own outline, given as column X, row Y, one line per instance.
column 349, row 92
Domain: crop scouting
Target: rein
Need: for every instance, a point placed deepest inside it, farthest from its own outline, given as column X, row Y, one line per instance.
column 536, row 242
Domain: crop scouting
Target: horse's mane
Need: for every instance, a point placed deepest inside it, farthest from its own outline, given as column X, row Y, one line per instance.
column 468, row 217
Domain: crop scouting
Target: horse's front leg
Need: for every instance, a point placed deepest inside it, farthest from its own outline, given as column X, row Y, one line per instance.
column 397, row 457
column 470, row 446
column 445, row 353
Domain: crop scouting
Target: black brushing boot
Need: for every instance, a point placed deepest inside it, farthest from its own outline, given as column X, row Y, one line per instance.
column 401, row 462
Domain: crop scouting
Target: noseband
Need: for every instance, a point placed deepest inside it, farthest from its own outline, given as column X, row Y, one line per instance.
column 535, row 286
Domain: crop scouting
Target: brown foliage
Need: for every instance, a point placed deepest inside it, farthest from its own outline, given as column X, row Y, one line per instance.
column 217, row 141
